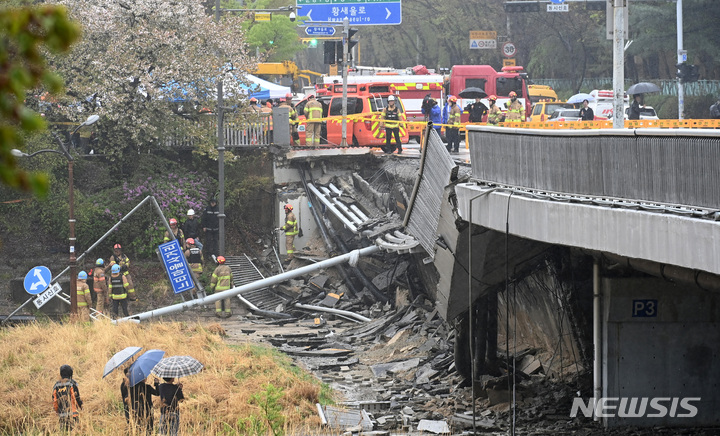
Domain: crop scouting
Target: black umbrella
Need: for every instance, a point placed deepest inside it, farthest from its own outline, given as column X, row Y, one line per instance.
column 472, row 92
column 643, row 88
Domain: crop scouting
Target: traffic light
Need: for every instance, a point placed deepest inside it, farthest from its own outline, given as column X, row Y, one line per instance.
column 693, row 74
column 682, row 71
column 330, row 52
column 522, row 6
column 312, row 43
column 687, row 73
column 351, row 32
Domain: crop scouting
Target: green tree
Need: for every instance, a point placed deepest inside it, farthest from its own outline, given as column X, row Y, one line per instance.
column 24, row 32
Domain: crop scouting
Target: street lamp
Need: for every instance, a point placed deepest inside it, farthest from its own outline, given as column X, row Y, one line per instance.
column 65, row 152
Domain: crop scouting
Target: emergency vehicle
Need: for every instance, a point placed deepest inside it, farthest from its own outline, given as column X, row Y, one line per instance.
column 412, row 89
column 603, row 104
column 365, row 101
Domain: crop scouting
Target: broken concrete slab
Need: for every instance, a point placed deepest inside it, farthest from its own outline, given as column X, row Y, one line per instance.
column 437, row 427
column 345, row 419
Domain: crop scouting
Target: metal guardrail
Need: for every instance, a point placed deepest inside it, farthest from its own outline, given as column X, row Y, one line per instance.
column 676, row 167
column 251, row 133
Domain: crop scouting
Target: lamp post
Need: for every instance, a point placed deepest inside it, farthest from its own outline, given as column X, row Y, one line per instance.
column 71, row 198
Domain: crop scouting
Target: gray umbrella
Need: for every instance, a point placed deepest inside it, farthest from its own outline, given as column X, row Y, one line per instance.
column 177, row 366
column 643, row 88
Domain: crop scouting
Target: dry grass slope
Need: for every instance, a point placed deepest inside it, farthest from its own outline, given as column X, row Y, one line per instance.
column 218, row 399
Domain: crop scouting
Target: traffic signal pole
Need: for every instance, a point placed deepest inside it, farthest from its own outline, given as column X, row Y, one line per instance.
column 681, row 90
column 346, row 41
column 618, row 65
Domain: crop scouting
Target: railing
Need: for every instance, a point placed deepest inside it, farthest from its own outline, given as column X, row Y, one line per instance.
column 254, row 132
column 677, row 166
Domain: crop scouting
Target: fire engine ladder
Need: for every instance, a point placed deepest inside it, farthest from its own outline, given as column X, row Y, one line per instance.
column 245, row 272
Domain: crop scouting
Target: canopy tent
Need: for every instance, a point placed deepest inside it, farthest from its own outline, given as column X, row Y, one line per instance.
column 257, row 87
column 266, row 89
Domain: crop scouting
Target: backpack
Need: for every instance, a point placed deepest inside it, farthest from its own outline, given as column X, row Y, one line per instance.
column 63, row 396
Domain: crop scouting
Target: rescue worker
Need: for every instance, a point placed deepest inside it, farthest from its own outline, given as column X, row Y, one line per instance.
column 177, row 232
column 118, row 288
column 495, row 114
column 267, row 119
column 515, row 110
column 222, row 280
column 100, row 286
column 194, row 256
column 66, row 399
column 118, row 258
column 211, row 227
column 291, row 229
column 313, row 111
column 191, row 228
column 391, row 121
column 287, row 102
column 83, row 297
column 453, row 132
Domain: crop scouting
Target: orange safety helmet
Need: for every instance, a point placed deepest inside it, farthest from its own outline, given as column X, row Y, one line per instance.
column 452, row 98
column 190, row 241
column 253, row 100
column 288, row 207
column 512, row 94
column 117, row 246
column 289, row 95
column 173, row 222
column 221, row 259
column 492, row 98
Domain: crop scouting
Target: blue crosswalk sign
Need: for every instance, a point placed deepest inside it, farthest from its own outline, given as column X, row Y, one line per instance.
column 37, row 280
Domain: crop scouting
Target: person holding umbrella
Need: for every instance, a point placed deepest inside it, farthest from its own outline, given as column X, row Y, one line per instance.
column 635, row 107
column 586, row 112
column 171, row 394
column 137, row 402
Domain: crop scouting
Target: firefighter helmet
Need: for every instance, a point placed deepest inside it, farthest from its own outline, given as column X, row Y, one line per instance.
column 492, row 98
column 391, row 98
column 117, row 247
column 82, row 275
column 100, row 262
column 289, row 95
column 452, row 98
column 66, row 371
column 115, row 269
column 288, row 207
column 221, row 260
column 253, row 100
column 190, row 241
column 173, row 222
column 190, row 212
column 512, row 94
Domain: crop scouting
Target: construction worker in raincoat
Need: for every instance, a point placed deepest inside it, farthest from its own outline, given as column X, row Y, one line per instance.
column 84, row 299
column 222, row 280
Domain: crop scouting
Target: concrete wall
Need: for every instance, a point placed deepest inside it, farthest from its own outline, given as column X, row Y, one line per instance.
column 661, row 340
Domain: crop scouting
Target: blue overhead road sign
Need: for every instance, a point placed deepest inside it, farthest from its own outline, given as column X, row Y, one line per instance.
column 320, row 31
column 557, row 2
column 37, row 280
column 358, row 12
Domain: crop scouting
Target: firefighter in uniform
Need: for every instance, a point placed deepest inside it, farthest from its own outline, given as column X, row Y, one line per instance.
column 194, row 256
column 100, row 286
column 293, row 117
column 515, row 109
column 179, row 235
column 222, row 280
column 118, row 288
column 453, row 133
column 291, row 229
column 313, row 111
column 391, row 120
column 84, row 299
column 494, row 113
column 66, row 399
column 118, row 258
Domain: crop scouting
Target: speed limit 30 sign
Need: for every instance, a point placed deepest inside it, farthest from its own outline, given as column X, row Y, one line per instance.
column 509, row 49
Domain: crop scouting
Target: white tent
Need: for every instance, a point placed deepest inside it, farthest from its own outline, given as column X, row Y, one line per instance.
column 262, row 89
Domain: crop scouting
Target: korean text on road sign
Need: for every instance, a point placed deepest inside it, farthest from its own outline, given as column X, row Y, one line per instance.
column 176, row 266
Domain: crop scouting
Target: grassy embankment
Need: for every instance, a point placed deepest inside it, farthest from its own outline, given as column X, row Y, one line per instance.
column 246, row 389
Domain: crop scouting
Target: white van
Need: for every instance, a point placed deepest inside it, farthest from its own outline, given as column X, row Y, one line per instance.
column 603, row 104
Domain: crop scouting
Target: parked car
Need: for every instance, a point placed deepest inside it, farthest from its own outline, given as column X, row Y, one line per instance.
column 565, row 115
column 646, row 113
column 541, row 111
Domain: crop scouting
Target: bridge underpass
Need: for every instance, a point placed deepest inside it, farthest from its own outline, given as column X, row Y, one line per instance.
column 619, row 227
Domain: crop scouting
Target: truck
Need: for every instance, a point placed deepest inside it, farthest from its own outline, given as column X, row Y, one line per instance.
column 287, row 73
column 414, row 84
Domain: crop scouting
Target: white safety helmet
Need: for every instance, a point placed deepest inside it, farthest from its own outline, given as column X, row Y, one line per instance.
column 190, row 212
column 391, row 98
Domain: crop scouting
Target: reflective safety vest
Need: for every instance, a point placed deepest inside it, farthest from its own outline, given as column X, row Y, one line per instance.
column 195, row 259
column 494, row 115
column 221, row 279
column 291, row 225
column 117, row 287
column 123, row 261
column 515, row 112
column 391, row 117
column 99, row 279
column 313, row 110
column 83, row 294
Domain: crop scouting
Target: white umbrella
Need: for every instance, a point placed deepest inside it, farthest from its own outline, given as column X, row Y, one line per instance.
column 119, row 358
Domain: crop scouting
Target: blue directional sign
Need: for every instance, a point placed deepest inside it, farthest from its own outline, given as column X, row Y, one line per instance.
column 320, row 31
column 176, row 266
column 557, row 2
column 37, row 280
column 358, row 12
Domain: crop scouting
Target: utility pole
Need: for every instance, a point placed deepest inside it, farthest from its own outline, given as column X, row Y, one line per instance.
column 221, row 154
column 681, row 54
column 346, row 41
column 618, row 65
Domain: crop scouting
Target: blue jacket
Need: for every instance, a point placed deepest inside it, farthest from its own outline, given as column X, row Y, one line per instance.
column 435, row 115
